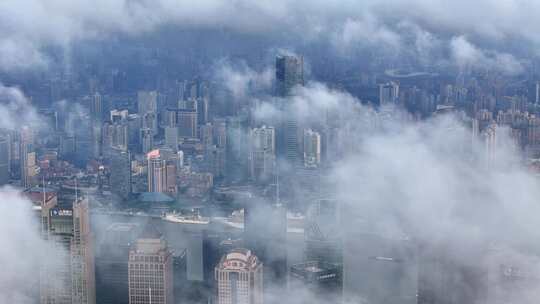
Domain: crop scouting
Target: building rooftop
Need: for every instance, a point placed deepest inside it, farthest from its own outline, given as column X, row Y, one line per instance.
column 314, row 266
column 121, row 227
column 316, row 271
column 239, row 259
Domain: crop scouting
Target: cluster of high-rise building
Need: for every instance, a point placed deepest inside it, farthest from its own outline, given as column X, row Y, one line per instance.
column 166, row 165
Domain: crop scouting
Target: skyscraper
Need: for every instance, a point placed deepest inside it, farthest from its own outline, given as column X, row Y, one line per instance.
column 265, row 233
column 289, row 73
column 96, row 108
column 58, row 232
column 82, row 256
column 150, row 271
column 112, row 258
column 27, row 157
column 120, row 175
column 187, row 123
column 206, row 135
column 388, row 93
column 323, row 280
column 84, row 143
column 147, row 140
column 290, row 129
column 262, row 153
column 4, row 160
column 115, row 135
column 312, row 149
column 67, row 269
column 162, row 170
column 322, row 232
column 147, row 104
column 157, row 175
column 239, row 277
column 149, row 121
column 171, row 137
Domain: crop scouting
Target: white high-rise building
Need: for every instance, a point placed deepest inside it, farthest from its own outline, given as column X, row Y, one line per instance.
column 262, row 153
column 147, row 103
column 388, row 93
column 150, row 272
column 67, row 269
column 239, row 277
column 157, row 175
column 312, row 148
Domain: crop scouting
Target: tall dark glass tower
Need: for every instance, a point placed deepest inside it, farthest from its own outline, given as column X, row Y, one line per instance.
column 120, row 178
column 289, row 73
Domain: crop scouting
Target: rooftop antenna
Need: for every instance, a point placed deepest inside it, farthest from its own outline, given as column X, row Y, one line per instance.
column 76, row 190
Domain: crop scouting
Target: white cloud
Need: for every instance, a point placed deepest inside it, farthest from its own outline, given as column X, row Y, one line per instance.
column 16, row 110
column 367, row 33
column 22, row 248
column 30, row 25
column 241, row 80
column 467, row 55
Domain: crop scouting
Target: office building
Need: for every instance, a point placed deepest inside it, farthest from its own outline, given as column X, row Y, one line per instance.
column 134, row 132
column 289, row 73
column 265, row 233
column 96, row 107
column 157, row 175
column 150, row 271
column 67, row 270
column 97, row 136
column 239, row 277
column 322, row 280
column 147, row 104
column 388, row 93
column 290, row 129
column 84, row 144
column 312, row 149
column 171, row 137
column 537, row 92
column 120, row 173
column 147, row 140
column 82, row 255
column 149, row 121
column 206, row 135
column 4, row 160
column 262, row 153
column 219, row 131
column 118, row 115
column 115, row 135
column 202, row 109
column 162, row 171
column 27, row 157
column 187, row 123
column 112, row 259
column 322, row 232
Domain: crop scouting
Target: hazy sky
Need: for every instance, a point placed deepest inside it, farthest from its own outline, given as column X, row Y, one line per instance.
column 459, row 31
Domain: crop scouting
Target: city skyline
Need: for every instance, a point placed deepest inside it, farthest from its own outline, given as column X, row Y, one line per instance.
column 241, row 152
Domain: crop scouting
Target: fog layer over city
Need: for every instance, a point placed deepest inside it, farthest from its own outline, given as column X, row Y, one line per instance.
column 412, row 124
